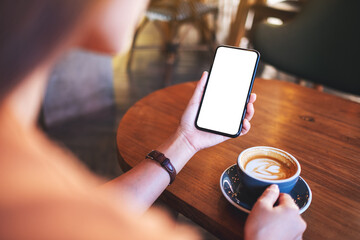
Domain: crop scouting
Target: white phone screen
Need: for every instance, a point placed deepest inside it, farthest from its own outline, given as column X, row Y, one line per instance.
column 229, row 84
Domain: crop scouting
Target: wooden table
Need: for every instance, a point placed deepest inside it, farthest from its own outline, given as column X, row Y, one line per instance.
column 322, row 131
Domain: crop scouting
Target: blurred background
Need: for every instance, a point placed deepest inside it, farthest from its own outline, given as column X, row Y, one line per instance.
column 313, row 43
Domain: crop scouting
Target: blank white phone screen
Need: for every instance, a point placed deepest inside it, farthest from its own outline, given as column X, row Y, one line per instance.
column 227, row 89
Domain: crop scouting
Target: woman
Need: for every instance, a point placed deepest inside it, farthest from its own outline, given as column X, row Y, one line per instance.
column 45, row 192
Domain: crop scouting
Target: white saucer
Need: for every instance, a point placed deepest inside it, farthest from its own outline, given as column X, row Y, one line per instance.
column 234, row 191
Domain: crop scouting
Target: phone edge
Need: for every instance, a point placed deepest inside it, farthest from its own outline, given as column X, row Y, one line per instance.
column 247, row 99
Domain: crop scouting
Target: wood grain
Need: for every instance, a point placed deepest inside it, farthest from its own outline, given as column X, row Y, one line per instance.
column 322, row 131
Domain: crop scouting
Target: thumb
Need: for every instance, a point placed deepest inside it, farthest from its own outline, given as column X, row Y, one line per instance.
column 269, row 197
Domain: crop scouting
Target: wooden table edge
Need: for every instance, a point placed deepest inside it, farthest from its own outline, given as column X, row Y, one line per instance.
column 181, row 207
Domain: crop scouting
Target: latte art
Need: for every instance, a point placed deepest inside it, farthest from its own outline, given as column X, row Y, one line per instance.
column 268, row 168
column 262, row 166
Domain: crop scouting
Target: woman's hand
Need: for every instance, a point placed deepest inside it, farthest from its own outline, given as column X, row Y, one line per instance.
column 151, row 179
column 200, row 139
column 280, row 222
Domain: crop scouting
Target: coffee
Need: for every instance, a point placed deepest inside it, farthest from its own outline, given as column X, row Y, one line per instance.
column 269, row 168
column 262, row 166
column 268, row 164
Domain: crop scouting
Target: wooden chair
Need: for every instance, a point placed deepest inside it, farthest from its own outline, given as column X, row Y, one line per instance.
column 285, row 10
column 169, row 15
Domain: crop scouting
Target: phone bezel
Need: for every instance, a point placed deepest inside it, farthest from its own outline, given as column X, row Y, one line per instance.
column 247, row 98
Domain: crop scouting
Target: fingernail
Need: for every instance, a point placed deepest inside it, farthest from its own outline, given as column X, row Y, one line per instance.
column 274, row 187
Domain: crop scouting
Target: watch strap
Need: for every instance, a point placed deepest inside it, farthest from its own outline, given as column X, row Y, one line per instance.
column 164, row 162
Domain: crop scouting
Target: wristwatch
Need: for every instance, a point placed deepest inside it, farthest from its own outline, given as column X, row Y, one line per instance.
column 164, row 162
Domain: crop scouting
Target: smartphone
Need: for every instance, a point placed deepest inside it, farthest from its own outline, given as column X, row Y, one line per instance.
column 227, row 91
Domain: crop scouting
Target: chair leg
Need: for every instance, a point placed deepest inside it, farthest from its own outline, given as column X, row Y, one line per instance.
column 213, row 40
column 171, row 45
column 131, row 53
column 168, row 70
column 208, row 35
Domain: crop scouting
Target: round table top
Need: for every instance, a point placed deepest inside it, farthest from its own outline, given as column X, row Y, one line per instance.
column 322, row 131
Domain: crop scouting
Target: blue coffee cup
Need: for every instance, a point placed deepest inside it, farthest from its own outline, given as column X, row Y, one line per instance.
column 261, row 166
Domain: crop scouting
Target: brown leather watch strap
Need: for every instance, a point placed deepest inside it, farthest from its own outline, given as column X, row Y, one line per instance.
column 164, row 162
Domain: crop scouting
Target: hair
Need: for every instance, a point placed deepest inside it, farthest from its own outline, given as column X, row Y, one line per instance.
column 30, row 32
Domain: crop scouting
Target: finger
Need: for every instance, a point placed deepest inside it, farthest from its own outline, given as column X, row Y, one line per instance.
column 269, row 197
column 245, row 127
column 253, row 97
column 249, row 111
column 287, row 200
column 199, row 88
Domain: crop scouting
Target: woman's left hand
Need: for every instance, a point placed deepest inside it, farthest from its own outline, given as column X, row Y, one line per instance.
column 200, row 139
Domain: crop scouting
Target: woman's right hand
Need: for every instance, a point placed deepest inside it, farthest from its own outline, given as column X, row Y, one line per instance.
column 280, row 222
